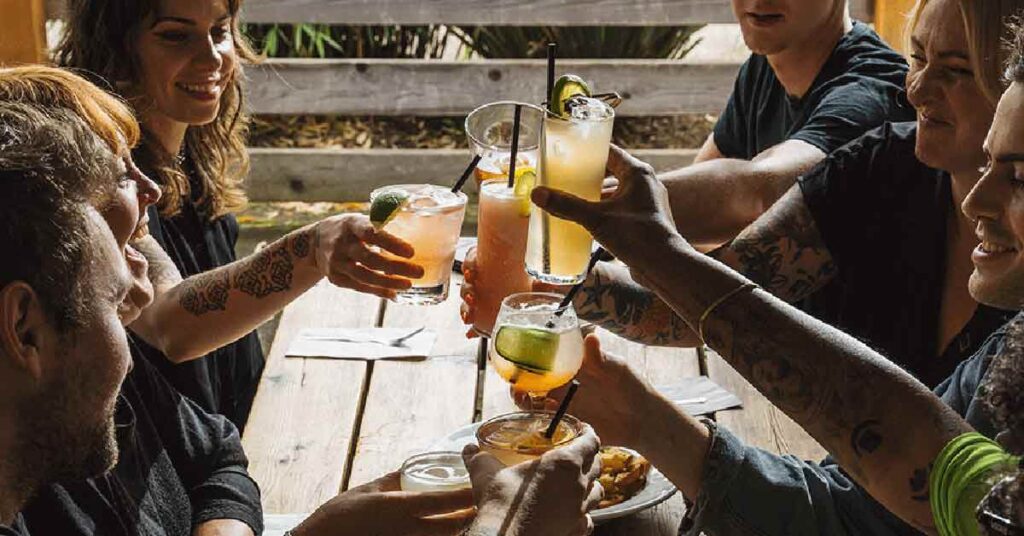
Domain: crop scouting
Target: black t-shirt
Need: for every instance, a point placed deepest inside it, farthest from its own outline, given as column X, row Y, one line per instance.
column 225, row 380
column 883, row 216
column 859, row 87
column 178, row 466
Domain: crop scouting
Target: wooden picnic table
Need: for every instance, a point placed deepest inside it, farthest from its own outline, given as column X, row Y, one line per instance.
column 320, row 426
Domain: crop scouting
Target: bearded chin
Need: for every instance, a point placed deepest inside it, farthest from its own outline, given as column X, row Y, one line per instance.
column 61, row 443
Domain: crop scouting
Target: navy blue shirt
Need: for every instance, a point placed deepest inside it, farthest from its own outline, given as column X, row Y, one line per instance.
column 860, row 86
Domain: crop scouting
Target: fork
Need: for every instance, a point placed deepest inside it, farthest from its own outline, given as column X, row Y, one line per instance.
column 397, row 342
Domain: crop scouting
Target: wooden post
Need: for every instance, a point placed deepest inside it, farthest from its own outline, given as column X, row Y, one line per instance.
column 891, row 21
column 22, row 31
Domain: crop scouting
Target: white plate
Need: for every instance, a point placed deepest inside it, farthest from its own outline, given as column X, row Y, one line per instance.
column 657, row 490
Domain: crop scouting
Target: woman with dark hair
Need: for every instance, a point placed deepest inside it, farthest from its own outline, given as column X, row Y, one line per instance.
column 179, row 64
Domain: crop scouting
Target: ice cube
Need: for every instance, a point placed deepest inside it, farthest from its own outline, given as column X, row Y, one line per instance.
column 588, row 109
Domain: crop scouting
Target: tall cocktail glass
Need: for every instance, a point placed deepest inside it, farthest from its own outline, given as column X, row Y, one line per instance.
column 489, row 129
column 502, row 225
column 431, row 221
column 574, row 152
column 537, row 345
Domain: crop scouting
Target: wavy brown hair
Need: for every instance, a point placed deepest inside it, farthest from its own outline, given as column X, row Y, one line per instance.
column 99, row 40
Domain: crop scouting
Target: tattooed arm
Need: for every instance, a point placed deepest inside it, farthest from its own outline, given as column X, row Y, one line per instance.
column 883, row 426
column 189, row 318
column 611, row 299
column 194, row 316
column 782, row 252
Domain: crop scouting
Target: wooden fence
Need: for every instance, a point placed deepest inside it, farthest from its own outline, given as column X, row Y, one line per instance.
column 453, row 88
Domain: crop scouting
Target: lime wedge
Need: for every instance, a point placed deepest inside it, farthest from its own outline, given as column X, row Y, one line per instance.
column 524, row 185
column 386, row 206
column 530, row 349
column 566, row 87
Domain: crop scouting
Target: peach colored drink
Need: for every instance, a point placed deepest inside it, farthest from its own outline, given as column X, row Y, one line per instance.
column 502, row 225
column 431, row 222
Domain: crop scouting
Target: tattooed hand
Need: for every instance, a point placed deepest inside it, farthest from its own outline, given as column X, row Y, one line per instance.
column 344, row 254
column 638, row 208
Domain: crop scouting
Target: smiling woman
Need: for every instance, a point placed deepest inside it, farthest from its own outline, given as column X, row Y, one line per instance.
column 178, row 62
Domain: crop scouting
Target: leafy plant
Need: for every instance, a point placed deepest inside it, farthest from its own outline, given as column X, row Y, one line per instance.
column 334, row 41
column 660, row 42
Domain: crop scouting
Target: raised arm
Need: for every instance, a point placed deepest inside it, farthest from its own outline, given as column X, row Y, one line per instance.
column 714, row 199
column 883, row 426
column 191, row 317
column 782, row 252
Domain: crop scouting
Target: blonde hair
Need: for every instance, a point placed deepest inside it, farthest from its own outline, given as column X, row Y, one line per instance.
column 100, row 39
column 985, row 24
column 108, row 116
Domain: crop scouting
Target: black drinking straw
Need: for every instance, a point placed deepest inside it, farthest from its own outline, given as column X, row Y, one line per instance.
column 515, row 145
column 465, row 174
column 562, row 408
column 594, row 257
column 552, row 51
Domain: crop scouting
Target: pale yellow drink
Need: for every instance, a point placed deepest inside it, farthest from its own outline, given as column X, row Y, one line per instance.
column 574, row 153
column 431, row 221
column 502, row 224
column 435, row 471
column 519, row 437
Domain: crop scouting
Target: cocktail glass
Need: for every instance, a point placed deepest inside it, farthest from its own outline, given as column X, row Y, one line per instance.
column 537, row 344
column 435, row 471
column 489, row 129
column 574, row 153
column 431, row 221
column 520, row 437
column 502, row 225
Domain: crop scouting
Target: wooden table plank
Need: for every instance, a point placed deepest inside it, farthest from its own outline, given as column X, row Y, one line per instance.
column 760, row 423
column 299, row 433
column 412, row 404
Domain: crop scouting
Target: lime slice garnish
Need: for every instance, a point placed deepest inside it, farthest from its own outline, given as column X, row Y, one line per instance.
column 386, row 206
column 525, row 182
column 566, row 87
column 530, row 349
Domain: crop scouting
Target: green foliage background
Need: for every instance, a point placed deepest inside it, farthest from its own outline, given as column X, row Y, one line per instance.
column 436, row 41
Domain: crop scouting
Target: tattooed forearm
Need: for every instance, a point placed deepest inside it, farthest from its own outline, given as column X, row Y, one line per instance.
column 782, row 251
column 163, row 273
column 615, row 302
column 206, row 292
column 264, row 273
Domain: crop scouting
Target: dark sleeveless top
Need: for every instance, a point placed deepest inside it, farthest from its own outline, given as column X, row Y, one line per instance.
column 225, row 380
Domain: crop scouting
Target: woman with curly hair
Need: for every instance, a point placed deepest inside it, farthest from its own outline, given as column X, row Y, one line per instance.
column 179, row 64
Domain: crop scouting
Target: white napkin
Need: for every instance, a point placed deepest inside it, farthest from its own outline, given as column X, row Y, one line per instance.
column 699, row 395
column 317, row 342
column 278, row 524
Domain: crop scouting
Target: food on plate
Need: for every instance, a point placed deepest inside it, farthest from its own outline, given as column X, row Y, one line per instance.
column 623, row 474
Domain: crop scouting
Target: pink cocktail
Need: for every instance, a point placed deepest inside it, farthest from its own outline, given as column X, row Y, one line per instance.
column 502, row 226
